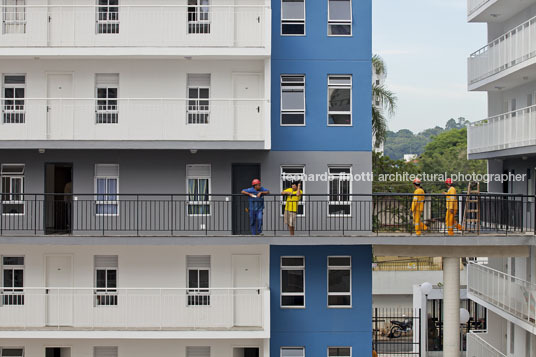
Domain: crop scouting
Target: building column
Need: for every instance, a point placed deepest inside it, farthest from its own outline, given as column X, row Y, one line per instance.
column 451, row 302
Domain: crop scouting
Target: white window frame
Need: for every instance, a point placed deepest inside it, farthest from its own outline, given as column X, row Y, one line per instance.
column 112, row 23
column 292, row 111
column 198, row 292
column 291, row 267
column 14, row 16
column 106, row 292
column 330, row 347
column 345, row 203
column 106, row 111
column 339, row 267
column 200, row 203
column 10, row 201
column 12, row 348
column 18, row 110
column 341, row 22
column 197, row 107
column 294, row 22
column 12, row 291
column 205, row 25
column 291, row 348
column 283, row 198
column 106, row 201
column 341, row 86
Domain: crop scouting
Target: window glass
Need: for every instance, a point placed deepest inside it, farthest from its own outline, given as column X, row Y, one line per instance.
column 292, row 281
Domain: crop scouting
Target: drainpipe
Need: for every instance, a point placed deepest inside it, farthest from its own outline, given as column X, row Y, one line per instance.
column 451, row 299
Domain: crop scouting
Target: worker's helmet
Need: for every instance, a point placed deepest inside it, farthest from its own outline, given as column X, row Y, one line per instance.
column 255, row 182
column 448, row 181
column 417, row 181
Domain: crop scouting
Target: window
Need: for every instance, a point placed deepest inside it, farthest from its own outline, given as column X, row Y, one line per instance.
column 198, row 109
column 292, row 352
column 340, row 100
column 106, row 280
column 339, row 17
column 198, row 186
column 292, row 282
column 198, row 269
column 12, row 281
column 107, row 16
column 12, row 352
column 339, row 282
column 107, row 189
column 293, row 17
column 12, row 189
column 292, row 100
column 289, row 174
column 107, row 87
column 339, row 352
column 107, row 351
column 198, row 16
column 14, row 90
column 339, row 190
column 14, row 16
column 198, row 351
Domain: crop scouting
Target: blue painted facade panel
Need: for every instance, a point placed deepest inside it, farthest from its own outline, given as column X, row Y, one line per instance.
column 317, row 327
column 316, row 55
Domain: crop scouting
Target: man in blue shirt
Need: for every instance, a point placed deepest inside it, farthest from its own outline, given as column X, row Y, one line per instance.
column 256, row 204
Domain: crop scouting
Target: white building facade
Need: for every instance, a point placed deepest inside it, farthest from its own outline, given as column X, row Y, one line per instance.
column 504, row 68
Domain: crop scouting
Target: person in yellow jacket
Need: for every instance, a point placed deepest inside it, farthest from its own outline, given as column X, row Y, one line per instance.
column 452, row 208
column 417, row 207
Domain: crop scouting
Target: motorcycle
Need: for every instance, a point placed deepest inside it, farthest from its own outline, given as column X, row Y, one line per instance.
column 400, row 327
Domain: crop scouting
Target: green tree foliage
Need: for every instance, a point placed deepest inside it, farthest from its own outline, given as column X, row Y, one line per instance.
column 385, row 165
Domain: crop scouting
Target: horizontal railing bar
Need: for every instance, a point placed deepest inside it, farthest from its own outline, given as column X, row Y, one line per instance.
column 95, row 6
column 502, row 116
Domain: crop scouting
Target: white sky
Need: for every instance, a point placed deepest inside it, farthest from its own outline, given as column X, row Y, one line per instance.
column 425, row 44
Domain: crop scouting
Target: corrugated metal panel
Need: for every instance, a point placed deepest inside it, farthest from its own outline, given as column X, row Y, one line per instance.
column 105, row 352
column 198, row 80
column 197, row 351
column 198, row 170
column 107, row 170
column 106, row 261
column 107, row 79
column 198, row 261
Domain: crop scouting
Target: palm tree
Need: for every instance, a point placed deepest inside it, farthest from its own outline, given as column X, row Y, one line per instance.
column 383, row 101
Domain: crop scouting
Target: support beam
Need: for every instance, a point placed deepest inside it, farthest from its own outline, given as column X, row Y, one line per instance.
column 456, row 251
column 451, row 301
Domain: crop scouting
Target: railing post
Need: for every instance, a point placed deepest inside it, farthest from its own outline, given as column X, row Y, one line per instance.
column 137, row 215
column 172, row 219
column 35, row 214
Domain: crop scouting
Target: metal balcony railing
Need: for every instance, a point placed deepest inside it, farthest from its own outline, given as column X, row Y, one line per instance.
column 422, row 264
column 478, row 347
column 110, row 119
column 134, row 308
column 509, row 50
column 505, row 131
column 195, row 26
column 507, row 292
column 216, row 214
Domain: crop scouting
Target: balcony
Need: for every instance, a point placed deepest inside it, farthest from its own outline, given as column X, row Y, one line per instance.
column 165, row 29
column 495, row 10
column 478, row 347
column 135, row 122
column 227, row 215
column 507, row 295
column 504, row 62
column 135, row 309
column 516, row 129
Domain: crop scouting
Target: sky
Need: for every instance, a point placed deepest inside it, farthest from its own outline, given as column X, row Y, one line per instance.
column 425, row 45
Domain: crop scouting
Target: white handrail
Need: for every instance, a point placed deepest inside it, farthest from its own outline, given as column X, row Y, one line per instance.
column 478, row 347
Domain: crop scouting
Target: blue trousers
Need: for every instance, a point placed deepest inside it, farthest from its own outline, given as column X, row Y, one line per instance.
column 255, row 221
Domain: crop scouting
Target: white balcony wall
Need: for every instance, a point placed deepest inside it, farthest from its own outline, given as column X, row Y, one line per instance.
column 475, row 5
column 152, row 101
column 225, row 24
column 506, row 131
column 151, row 291
column 143, row 348
column 512, row 49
